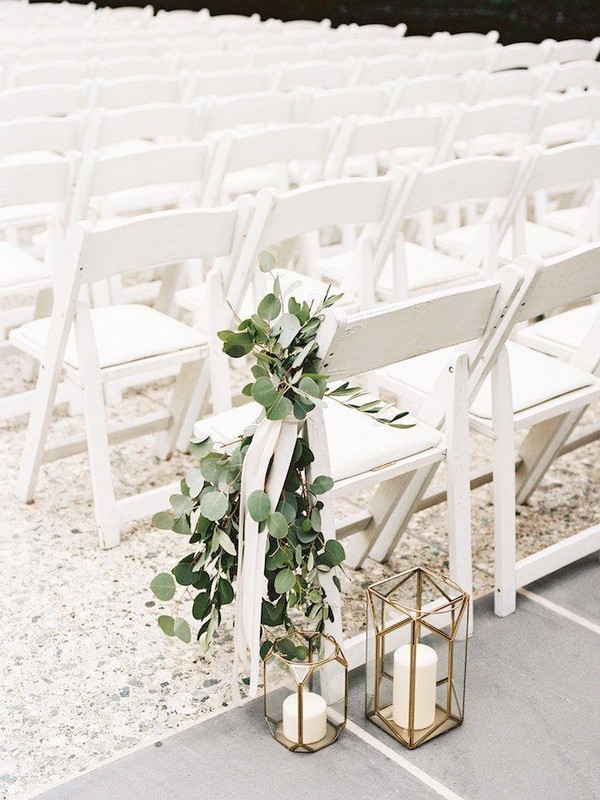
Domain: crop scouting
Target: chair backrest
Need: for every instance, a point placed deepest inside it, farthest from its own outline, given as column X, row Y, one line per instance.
column 432, row 90
column 102, row 175
column 375, row 30
column 211, row 60
column 51, row 52
column 522, row 55
column 575, row 75
column 128, row 67
column 227, row 83
column 123, row 49
column 575, row 50
column 279, row 144
column 43, row 182
column 40, row 134
column 458, row 63
column 463, row 42
column 317, row 74
column 567, row 165
column 51, row 72
column 386, row 68
column 135, row 91
column 154, row 240
column 413, row 45
column 568, row 108
column 322, row 104
column 255, row 109
column 174, row 121
column 561, row 282
column 289, row 54
column 511, row 83
column 42, row 101
column 498, row 117
column 387, row 134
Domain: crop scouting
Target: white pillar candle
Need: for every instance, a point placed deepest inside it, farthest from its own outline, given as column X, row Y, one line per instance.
column 425, row 685
column 314, row 716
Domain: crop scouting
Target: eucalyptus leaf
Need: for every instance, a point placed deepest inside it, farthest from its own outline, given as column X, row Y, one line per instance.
column 285, row 581
column 214, row 506
column 167, row 624
column 268, row 308
column 163, row 586
column 281, row 408
column 266, row 261
column 181, row 630
column 259, row 506
column 163, row 520
column 277, row 525
column 264, row 392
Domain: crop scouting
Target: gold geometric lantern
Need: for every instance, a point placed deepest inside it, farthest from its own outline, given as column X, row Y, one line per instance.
column 306, row 691
column 417, row 627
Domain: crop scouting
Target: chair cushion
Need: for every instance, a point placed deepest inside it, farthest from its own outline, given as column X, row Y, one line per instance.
column 535, row 378
column 18, row 267
column 123, row 333
column 357, row 443
column 568, row 220
column 567, row 329
column 539, row 240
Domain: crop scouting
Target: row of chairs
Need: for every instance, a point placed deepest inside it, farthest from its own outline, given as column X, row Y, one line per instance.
column 417, row 94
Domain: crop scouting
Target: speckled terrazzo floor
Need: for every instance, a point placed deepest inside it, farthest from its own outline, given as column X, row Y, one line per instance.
column 85, row 671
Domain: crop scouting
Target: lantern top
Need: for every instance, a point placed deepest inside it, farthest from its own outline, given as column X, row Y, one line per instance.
column 418, row 593
column 306, row 649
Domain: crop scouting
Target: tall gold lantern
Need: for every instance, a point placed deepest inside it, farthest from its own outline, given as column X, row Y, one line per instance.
column 417, row 628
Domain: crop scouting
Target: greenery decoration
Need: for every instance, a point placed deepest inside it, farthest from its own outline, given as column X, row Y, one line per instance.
column 281, row 337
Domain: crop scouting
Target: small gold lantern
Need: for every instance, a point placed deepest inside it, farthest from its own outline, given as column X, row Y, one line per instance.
column 306, row 691
column 417, row 628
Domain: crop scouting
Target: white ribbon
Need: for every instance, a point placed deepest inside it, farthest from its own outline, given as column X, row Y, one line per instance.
column 265, row 467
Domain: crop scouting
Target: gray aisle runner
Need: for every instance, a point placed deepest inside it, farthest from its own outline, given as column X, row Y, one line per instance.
column 530, row 731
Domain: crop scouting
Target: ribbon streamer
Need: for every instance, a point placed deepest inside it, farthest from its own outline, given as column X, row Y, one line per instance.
column 266, row 465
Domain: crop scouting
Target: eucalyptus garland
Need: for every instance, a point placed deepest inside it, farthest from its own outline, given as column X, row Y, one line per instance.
column 281, row 339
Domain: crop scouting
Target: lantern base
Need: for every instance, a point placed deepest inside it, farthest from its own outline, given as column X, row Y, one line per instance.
column 330, row 737
column 442, row 723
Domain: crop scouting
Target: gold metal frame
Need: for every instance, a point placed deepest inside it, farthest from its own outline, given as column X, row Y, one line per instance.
column 303, row 674
column 451, row 602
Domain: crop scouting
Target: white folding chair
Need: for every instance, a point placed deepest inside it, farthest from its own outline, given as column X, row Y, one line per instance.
column 51, row 72
column 401, row 463
column 136, row 91
column 577, row 75
column 323, row 104
column 274, row 156
column 91, row 347
column 210, row 61
column 569, row 118
column 500, row 127
column 458, row 63
column 413, row 45
column 521, row 55
column 385, row 68
column 375, row 31
column 129, row 67
column 509, row 84
column 311, row 74
column 264, row 57
column 247, row 111
column 431, row 93
column 446, row 42
column 366, row 146
column 528, row 391
column 140, row 127
column 227, row 83
column 38, row 138
column 574, row 49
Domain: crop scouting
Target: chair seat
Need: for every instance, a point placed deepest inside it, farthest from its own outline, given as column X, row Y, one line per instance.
column 17, row 267
column 568, row 220
column 123, row 334
column 357, row 443
column 143, row 198
column 490, row 144
column 30, row 214
column 566, row 330
column 535, row 378
column 249, row 181
column 539, row 240
column 425, row 268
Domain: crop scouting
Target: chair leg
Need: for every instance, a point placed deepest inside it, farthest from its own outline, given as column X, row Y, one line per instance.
column 458, row 479
column 190, row 375
column 105, row 508
column 504, row 489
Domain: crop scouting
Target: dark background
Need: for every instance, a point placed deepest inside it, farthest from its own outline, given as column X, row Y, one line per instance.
column 528, row 20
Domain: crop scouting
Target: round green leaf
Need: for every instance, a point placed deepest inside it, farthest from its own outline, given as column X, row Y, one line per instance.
column 195, row 482
column 184, row 574
column 163, row 586
column 266, row 261
column 269, row 307
column 321, row 484
column 214, row 506
column 259, row 506
column 182, row 630
column 225, row 591
column 166, row 625
column 277, row 525
column 163, row 520
column 181, row 503
column 284, row 581
column 334, row 552
column 264, row 392
column 238, row 345
column 201, row 605
column 280, row 409
column 309, row 387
